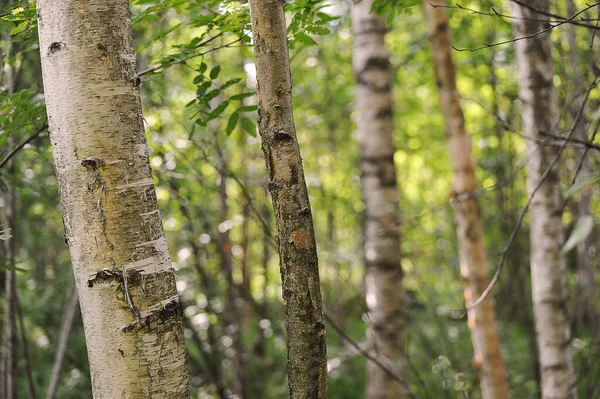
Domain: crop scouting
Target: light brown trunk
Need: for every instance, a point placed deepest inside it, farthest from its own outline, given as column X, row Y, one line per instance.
column 307, row 358
column 548, row 273
column 472, row 252
column 125, row 281
column 385, row 293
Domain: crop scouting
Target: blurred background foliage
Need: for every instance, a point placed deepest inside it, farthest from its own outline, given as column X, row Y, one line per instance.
column 198, row 81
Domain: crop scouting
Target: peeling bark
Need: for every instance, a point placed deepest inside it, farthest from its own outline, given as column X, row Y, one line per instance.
column 469, row 229
column 307, row 360
column 125, row 282
column 548, row 273
column 385, row 293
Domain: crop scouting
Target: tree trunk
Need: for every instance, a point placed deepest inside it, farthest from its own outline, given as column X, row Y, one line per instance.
column 548, row 274
column 9, row 338
column 306, row 341
column 385, row 293
column 125, row 281
column 233, row 316
column 63, row 339
column 469, row 229
column 585, row 307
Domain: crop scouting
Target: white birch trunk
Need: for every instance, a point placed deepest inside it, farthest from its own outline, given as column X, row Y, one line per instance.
column 385, row 293
column 126, row 285
column 539, row 111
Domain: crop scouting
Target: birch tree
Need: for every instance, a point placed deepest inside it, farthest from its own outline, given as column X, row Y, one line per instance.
column 539, row 112
column 385, row 293
column 306, row 343
column 125, row 281
column 469, row 229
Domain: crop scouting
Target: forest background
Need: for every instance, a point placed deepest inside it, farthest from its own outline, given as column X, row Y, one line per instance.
column 198, row 82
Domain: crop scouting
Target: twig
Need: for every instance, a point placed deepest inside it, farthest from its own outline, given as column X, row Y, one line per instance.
column 496, row 13
column 581, row 161
column 189, row 57
column 392, row 373
column 517, row 227
column 527, row 37
column 23, row 144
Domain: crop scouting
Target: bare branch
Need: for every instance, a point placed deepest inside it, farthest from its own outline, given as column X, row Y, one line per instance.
column 388, row 369
column 23, row 144
column 527, row 37
column 496, row 13
column 517, row 227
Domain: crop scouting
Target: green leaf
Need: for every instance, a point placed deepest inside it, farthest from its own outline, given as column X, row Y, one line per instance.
column 249, row 126
column 210, row 95
column 198, row 79
column 318, row 30
column 304, row 38
column 203, row 67
column 230, row 82
column 217, row 111
column 232, row 123
column 582, row 230
column 214, row 73
column 241, row 96
column 247, row 108
column 19, row 28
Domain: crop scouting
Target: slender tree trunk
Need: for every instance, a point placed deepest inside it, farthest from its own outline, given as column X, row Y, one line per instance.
column 8, row 356
column 233, row 316
column 125, row 281
column 9, row 337
column 469, row 229
column 385, row 292
column 306, row 341
column 585, row 306
column 61, row 349
column 548, row 274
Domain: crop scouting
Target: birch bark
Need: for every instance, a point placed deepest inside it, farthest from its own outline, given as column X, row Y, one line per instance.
column 548, row 274
column 125, row 282
column 307, row 358
column 384, row 289
column 469, row 229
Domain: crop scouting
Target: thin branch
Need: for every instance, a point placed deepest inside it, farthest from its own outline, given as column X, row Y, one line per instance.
column 23, row 144
column 517, row 227
column 581, row 161
column 527, row 37
column 496, row 13
column 589, row 145
column 392, row 373
column 189, row 57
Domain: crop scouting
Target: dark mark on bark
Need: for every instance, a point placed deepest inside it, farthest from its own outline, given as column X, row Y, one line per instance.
column 56, row 47
column 171, row 312
column 282, row 137
column 103, row 49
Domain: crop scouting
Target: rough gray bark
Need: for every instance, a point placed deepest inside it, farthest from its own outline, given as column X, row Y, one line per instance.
column 469, row 228
column 307, row 359
column 548, row 274
column 125, row 281
column 385, row 293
